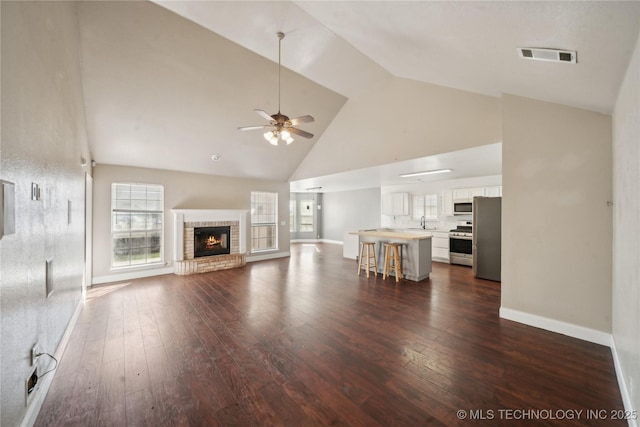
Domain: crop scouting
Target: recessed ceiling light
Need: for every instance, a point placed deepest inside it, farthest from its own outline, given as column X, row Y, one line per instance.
column 216, row 157
column 409, row 175
column 314, row 188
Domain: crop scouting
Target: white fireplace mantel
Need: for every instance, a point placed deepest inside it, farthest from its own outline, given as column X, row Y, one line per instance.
column 180, row 216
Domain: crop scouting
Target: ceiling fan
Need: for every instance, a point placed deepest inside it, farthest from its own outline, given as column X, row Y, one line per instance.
column 280, row 127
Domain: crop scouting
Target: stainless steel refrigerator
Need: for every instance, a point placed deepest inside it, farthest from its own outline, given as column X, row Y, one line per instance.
column 487, row 214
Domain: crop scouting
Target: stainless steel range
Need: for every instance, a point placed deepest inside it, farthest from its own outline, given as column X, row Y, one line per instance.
column 461, row 244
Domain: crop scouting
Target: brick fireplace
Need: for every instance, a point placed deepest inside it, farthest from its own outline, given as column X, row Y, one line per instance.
column 188, row 220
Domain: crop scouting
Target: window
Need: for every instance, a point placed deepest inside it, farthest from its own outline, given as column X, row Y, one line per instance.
column 264, row 217
column 306, row 216
column 431, row 206
column 292, row 216
column 137, row 212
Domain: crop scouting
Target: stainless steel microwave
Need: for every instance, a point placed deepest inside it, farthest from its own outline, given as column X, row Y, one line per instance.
column 462, row 208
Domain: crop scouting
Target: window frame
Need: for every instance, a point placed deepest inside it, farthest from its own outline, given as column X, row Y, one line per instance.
column 431, row 206
column 158, row 216
column 264, row 222
column 293, row 215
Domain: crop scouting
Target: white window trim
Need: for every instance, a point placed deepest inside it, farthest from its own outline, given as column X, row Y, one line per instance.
column 275, row 224
column 155, row 264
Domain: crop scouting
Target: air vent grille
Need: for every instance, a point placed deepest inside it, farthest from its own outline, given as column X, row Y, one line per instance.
column 552, row 55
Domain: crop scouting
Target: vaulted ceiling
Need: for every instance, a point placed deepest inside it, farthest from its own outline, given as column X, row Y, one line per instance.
column 167, row 83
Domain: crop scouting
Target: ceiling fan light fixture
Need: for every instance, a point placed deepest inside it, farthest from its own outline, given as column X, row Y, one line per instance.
column 280, row 124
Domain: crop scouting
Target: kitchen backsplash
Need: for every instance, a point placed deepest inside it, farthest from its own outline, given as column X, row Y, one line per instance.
column 446, row 223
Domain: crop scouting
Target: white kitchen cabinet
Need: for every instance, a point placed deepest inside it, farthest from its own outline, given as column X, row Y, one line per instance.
column 476, row 192
column 440, row 246
column 447, row 203
column 395, row 204
column 493, row 191
column 467, row 194
column 461, row 194
column 401, row 203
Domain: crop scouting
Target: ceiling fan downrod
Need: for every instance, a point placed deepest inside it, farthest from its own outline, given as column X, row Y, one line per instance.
column 280, row 35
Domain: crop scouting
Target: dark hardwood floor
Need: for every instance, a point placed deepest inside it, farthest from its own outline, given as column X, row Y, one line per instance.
column 304, row 341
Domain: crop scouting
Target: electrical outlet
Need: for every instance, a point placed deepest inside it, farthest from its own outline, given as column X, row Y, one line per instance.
column 30, row 386
column 35, row 350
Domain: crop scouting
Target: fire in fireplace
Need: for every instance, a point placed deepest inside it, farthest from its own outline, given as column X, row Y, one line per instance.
column 209, row 241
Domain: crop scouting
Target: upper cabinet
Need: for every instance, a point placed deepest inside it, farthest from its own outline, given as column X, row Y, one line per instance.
column 461, row 194
column 468, row 193
column 476, row 192
column 494, row 191
column 395, row 204
column 447, row 203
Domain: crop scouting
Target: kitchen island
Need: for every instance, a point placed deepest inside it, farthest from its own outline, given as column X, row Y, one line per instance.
column 416, row 250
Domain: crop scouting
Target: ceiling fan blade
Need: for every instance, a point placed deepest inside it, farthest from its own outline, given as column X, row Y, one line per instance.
column 263, row 114
column 301, row 119
column 254, row 127
column 301, row 133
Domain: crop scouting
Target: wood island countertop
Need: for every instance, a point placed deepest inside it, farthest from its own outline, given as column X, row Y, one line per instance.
column 392, row 235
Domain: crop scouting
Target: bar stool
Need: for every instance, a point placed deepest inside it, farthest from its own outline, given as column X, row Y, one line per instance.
column 392, row 260
column 367, row 253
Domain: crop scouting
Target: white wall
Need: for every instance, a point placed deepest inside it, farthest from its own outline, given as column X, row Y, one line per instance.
column 626, row 229
column 556, row 224
column 350, row 210
column 43, row 139
column 181, row 191
column 402, row 119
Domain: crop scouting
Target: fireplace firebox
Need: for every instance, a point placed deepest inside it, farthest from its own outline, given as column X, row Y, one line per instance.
column 208, row 241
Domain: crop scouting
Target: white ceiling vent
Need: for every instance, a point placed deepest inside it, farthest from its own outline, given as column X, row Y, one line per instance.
column 553, row 55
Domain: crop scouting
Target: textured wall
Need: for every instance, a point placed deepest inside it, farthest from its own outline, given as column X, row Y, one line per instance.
column 43, row 139
column 626, row 228
column 556, row 223
column 181, row 191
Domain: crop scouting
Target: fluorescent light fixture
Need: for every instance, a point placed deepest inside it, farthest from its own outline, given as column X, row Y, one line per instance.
column 409, row 175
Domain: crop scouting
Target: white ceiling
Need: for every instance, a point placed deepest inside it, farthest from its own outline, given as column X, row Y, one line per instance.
column 171, row 93
column 473, row 162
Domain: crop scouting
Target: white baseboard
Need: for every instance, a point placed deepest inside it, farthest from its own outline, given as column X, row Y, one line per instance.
column 624, row 391
column 575, row 331
column 130, row 275
column 334, row 242
column 43, row 386
column 263, row 257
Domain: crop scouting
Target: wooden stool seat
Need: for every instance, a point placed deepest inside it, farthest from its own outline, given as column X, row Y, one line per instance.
column 392, row 260
column 367, row 253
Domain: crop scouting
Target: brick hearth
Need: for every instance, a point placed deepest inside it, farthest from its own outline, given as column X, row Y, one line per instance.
column 185, row 263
